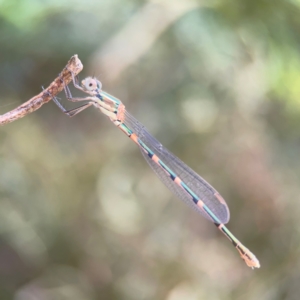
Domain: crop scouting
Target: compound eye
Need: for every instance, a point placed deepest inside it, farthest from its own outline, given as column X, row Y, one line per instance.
column 90, row 84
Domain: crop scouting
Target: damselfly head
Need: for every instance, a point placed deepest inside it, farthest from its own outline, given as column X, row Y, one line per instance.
column 91, row 84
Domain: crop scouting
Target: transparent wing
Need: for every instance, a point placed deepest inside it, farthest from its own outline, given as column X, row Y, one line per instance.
column 204, row 191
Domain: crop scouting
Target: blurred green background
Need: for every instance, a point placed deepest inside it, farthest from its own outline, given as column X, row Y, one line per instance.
column 82, row 216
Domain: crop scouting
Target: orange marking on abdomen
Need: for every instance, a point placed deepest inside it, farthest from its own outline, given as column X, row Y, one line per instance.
column 155, row 158
column 200, row 204
column 134, row 137
column 220, row 198
column 177, row 180
column 121, row 113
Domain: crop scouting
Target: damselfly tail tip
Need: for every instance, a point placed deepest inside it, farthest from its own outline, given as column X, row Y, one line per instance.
column 249, row 258
column 252, row 261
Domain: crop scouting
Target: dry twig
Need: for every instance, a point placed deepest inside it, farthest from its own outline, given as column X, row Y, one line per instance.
column 74, row 65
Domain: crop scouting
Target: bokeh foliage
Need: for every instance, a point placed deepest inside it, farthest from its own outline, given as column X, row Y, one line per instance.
column 82, row 216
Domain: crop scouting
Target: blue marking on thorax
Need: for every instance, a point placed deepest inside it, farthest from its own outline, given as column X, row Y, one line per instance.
column 110, row 97
column 99, row 96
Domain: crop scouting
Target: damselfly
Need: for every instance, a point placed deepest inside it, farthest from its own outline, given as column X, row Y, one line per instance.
column 176, row 175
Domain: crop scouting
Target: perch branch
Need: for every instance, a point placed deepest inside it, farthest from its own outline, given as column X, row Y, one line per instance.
column 74, row 65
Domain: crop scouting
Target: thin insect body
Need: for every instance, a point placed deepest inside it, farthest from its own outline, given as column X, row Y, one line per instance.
column 176, row 175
